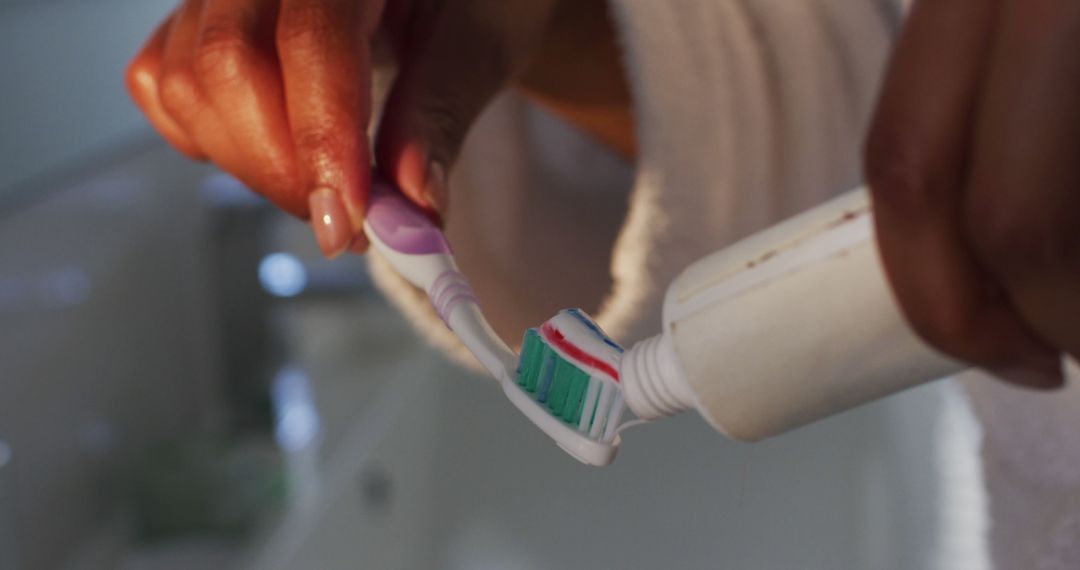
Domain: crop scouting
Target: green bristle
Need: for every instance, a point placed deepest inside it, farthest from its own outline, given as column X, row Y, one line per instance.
column 596, row 408
column 560, row 386
column 565, row 394
column 546, row 378
column 533, row 352
column 578, row 384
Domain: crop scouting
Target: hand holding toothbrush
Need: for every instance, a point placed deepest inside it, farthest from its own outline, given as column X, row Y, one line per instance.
column 278, row 92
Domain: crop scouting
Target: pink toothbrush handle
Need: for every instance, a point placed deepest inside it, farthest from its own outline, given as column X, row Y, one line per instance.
column 400, row 225
column 416, row 248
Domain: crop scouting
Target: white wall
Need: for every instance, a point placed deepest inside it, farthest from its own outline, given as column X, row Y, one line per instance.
column 62, row 93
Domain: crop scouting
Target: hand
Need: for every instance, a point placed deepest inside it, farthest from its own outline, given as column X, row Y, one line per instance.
column 974, row 165
column 278, row 92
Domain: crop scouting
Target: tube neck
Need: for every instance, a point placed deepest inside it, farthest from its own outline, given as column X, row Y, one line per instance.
column 654, row 384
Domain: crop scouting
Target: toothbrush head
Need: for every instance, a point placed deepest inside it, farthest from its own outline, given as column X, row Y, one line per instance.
column 568, row 385
column 567, row 379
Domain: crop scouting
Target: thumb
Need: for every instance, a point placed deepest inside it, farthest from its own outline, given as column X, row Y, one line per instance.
column 467, row 52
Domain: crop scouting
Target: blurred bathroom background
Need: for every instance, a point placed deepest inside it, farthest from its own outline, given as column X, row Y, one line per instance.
column 184, row 383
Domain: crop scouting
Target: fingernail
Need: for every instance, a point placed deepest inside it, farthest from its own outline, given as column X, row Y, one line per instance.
column 330, row 222
column 1032, row 377
column 434, row 192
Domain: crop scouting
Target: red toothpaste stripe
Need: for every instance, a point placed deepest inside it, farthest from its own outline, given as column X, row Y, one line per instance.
column 556, row 338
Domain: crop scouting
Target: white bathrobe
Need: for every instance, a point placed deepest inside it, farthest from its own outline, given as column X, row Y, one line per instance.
column 747, row 111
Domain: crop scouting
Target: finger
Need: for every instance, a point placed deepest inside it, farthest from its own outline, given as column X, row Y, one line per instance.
column 180, row 93
column 142, row 82
column 917, row 158
column 444, row 86
column 236, row 66
column 325, row 57
column 1023, row 203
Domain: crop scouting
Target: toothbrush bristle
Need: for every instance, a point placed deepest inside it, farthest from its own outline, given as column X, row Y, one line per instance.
column 565, row 389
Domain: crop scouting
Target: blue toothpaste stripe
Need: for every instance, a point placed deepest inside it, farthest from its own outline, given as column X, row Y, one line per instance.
column 577, row 314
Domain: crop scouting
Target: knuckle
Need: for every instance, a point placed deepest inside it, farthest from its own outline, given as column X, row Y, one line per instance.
column 223, row 53
column 319, row 144
column 138, row 76
column 1010, row 238
column 897, row 170
column 178, row 91
column 303, row 25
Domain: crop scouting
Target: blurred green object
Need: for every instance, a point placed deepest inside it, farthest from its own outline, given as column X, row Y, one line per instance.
column 205, row 485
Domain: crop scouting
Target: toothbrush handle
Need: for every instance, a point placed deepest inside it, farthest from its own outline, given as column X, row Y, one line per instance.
column 417, row 249
column 403, row 234
column 794, row 324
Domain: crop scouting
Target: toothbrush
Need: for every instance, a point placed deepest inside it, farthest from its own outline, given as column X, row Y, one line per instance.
column 567, row 382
